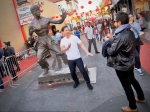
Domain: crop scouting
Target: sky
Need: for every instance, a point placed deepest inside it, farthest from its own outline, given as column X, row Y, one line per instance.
column 87, row 6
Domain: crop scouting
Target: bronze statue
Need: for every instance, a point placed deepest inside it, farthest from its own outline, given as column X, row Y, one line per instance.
column 40, row 25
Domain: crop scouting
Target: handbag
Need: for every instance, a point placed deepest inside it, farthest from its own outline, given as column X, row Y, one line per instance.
column 141, row 33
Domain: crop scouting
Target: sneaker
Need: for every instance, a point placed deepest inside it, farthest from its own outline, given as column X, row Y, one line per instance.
column 97, row 52
column 90, row 86
column 140, row 72
column 135, row 68
column 76, row 84
column 1, row 90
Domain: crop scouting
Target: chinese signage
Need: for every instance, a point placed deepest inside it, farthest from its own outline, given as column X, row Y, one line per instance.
column 107, row 2
column 24, row 14
column 20, row 2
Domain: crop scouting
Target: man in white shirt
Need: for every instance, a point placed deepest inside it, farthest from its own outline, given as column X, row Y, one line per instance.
column 99, row 25
column 89, row 34
column 69, row 45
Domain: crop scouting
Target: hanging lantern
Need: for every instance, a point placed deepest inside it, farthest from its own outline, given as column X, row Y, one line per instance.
column 53, row 17
column 82, row 7
column 90, row 2
column 68, row 14
column 57, row 17
column 90, row 11
column 74, row 11
column 97, row 10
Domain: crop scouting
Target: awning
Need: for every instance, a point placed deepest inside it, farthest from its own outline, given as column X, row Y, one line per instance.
column 114, row 1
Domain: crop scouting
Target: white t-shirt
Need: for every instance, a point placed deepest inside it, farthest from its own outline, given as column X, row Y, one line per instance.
column 99, row 27
column 73, row 52
column 89, row 32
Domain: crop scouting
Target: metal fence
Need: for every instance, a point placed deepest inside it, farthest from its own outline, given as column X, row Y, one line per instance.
column 15, row 66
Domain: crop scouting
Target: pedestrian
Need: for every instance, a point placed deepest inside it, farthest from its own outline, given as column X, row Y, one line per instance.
column 105, row 30
column 96, row 33
column 135, row 27
column 9, row 53
column 99, row 25
column 58, row 36
column 77, row 32
column 1, row 72
column 14, row 58
column 120, row 57
column 141, row 21
column 69, row 45
column 89, row 34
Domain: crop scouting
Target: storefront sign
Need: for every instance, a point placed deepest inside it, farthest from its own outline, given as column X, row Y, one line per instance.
column 20, row 2
column 26, row 20
column 24, row 14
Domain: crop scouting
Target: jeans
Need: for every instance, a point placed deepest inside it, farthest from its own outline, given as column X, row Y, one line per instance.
column 127, row 79
column 79, row 63
column 94, row 44
column 137, row 54
column 1, row 82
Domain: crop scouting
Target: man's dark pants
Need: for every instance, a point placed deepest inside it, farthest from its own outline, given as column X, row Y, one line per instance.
column 79, row 63
column 127, row 79
column 93, row 40
column 137, row 54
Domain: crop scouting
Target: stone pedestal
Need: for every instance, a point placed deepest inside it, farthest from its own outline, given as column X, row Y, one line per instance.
column 52, row 77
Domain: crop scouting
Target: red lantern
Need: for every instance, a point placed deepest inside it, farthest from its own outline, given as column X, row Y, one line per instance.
column 68, row 14
column 89, row 2
column 82, row 7
column 97, row 10
column 74, row 10
column 57, row 17
column 53, row 17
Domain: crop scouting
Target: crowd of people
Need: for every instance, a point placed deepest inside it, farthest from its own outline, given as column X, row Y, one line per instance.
column 122, row 49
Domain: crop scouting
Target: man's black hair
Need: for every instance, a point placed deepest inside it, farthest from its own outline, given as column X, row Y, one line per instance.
column 5, row 43
column 8, row 43
column 122, row 17
column 63, row 28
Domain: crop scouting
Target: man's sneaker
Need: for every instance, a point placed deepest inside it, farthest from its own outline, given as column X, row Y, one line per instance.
column 135, row 68
column 140, row 72
column 1, row 90
column 97, row 52
column 90, row 86
column 76, row 84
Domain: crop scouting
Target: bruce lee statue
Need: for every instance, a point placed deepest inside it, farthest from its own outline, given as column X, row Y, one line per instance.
column 40, row 26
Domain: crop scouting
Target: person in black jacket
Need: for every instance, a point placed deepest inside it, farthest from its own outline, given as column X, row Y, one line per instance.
column 8, row 52
column 120, row 57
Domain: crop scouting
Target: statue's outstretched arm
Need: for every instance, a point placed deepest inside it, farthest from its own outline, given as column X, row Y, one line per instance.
column 64, row 15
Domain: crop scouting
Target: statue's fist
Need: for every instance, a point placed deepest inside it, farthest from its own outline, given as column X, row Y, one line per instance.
column 64, row 13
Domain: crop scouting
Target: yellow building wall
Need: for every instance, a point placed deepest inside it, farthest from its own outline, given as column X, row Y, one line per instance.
column 9, row 26
column 49, row 9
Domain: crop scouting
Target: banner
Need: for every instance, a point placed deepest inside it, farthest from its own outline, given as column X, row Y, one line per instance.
column 24, row 14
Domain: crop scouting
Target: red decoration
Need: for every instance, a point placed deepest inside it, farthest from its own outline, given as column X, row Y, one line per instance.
column 89, row 2
column 97, row 10
column 90, row 11
column 82, row 7
column 68, row 14
column 57, row 17
column 53, row 17
column 76, row 13
column 74, row 10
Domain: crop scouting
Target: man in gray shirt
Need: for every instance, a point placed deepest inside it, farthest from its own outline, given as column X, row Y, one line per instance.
column 141, row 21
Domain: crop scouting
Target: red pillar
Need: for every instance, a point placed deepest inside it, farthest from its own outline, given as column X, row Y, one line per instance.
column 21, row 27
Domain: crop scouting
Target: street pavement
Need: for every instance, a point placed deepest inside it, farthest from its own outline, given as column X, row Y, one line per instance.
column 107, row 95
